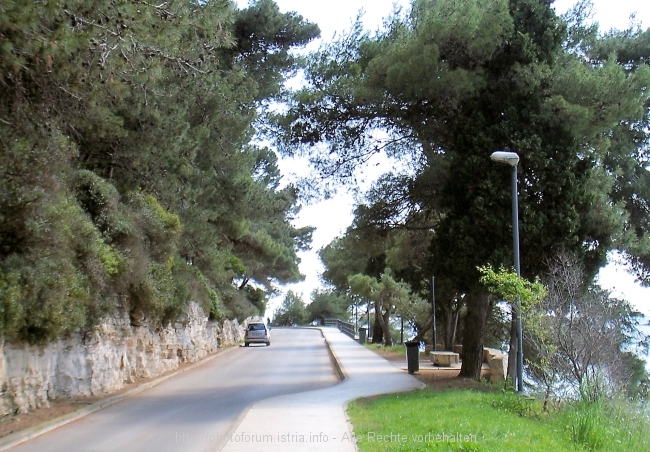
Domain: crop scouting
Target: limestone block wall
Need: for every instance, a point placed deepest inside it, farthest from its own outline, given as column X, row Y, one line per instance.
column 114, row 354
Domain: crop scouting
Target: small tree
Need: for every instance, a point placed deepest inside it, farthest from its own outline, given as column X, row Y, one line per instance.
column 292, row 311
column 515, row 290
column 387, row 295
column 581, row 335
column 328, row 304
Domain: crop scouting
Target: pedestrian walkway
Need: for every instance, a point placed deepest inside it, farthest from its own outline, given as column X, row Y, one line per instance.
column 316, row 420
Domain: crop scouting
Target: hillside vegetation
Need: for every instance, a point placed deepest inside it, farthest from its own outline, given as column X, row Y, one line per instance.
column 128, row 181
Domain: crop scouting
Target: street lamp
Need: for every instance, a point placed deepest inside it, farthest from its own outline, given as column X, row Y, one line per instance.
column 511, row 158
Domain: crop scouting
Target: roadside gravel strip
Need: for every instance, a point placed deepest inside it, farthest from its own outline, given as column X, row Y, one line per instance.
column 316, row 420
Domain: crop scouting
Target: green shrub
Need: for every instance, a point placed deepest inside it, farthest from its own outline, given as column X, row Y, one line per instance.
column 100, row 199
column 44, row 298
column 588, row 426
column 514, row 403
column 159, row 229
column 211, row 299
column 12, row 296
column 601, row 420
column 616, row 424
column 155, row 294
column 58, row 282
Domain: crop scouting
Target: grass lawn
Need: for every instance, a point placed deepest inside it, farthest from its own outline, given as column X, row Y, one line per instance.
column 469, row 420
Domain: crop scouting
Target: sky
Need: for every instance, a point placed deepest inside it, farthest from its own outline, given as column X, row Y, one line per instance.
column 333, row 216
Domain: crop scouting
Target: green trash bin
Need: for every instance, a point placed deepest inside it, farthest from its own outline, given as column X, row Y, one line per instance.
column 413, row 356
column 362, row 335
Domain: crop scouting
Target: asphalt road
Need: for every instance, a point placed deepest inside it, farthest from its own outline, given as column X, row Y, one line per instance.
column 196, row 410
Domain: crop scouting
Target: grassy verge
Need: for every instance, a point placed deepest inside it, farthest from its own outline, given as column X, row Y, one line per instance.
column 456, row 420
column 397, row 348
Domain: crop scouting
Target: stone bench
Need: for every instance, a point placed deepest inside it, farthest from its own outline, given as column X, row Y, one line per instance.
column 498, row 362
column 444, row 359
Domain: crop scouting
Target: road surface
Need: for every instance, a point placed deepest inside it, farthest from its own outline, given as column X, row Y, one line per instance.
column 196, row 410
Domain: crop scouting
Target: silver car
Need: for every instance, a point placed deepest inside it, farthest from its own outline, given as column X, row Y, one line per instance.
column 257, row 332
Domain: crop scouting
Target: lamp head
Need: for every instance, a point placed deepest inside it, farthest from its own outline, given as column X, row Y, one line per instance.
column 510, row 158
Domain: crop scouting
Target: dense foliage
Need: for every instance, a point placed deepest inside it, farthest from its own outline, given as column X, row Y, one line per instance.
column 449, row 83
column 127, row 177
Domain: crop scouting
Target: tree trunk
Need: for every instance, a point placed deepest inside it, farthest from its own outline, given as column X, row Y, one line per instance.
column 383, row 317
column 451, row 325
column 472, row 355
column 423, row 331
column 377, row 330
column 385, row 324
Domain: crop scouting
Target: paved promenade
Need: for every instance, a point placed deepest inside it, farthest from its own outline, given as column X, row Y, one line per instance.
column 316, row 420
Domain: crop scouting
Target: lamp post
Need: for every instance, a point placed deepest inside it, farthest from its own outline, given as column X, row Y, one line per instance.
column 511, row 158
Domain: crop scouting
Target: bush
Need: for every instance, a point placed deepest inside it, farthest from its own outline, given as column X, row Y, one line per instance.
column 612, row 425
column 57, row 283
column 101, row 201
column 587, row 425
column 516, row 404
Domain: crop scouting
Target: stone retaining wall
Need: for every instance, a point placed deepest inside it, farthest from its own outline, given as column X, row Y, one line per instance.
column 114, row 354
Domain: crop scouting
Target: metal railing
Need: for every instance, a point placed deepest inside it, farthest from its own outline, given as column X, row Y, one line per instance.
column 344, row 327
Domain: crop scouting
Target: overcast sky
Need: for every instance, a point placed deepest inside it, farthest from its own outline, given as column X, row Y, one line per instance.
column 337, row 15
column 333, row 216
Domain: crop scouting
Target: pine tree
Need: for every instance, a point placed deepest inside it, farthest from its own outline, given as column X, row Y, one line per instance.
column 450, row 83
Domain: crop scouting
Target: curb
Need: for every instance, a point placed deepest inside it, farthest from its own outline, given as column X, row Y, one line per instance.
column 339, row 369
column 19, row 437
column 337, row 365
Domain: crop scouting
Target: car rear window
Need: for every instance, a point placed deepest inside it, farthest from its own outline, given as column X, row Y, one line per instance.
column 255, row 327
